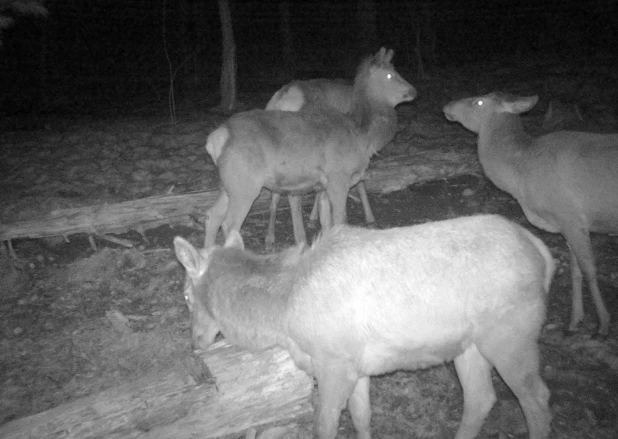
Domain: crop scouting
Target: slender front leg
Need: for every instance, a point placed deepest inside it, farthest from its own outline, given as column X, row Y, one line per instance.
column 577, row 300
column 362, row 194
column 582, row 258
column 326, row 216
column 270, row 235
column 335, row 384
column 313, row 216
column 296, row 209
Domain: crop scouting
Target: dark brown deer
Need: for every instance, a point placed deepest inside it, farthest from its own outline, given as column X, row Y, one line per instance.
column 566, row 181
column 302, row 152
column 364, row 302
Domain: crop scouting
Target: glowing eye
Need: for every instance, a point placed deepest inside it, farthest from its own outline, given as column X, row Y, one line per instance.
column 389, row 76
column 479, row 102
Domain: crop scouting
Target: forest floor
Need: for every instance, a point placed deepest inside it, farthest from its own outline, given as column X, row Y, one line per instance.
column 60, row 302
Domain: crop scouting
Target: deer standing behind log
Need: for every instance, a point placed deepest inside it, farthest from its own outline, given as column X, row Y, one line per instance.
column 316, row 94
column 302, row 152
column 566, row 181
column 364, row 302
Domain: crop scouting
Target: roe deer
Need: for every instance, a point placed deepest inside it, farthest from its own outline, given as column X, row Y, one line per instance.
column 364, row 302
column 566, row 181
column 299, row 152
column 312, row 93
column 317, row 93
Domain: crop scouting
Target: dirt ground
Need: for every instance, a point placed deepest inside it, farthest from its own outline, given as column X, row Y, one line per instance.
column 76, row 321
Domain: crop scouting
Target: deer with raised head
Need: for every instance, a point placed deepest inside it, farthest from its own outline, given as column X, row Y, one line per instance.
column 310, row 94
column 313, row 150
column 566, row 181
column 316, row 94
column 363, row 302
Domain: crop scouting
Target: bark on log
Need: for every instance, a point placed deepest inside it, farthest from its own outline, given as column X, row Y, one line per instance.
column 383, row 176
column 251, row 390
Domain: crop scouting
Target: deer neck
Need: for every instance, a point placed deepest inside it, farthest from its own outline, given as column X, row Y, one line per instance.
column 248, row 299
column 377, row 123
column 503, row 148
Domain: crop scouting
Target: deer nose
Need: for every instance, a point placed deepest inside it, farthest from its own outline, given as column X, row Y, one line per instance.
column 411, row 95
column 447, row 110
column 199, row 341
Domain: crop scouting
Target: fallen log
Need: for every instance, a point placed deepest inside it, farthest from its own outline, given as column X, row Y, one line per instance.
column 249, row 391
column 383, row 176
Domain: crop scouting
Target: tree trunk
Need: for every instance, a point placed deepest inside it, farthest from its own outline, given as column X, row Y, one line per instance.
column 185, row 42
column 367, row 26
column 289, row 61
column 228, row 68
column 431, row 36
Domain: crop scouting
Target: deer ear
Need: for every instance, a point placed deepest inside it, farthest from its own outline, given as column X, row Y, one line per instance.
column 234, row 240
column 389, row 56
column 379, row 57
column 521, row 105
column 190, row 258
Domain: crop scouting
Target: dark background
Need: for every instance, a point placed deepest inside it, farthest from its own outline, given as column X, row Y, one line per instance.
column 102, row 56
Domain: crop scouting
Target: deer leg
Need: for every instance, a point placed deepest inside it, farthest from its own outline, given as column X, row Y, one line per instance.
column 360, row 409
column 582, row 259
column 238, row 208
column 577, row 297
column 517, row 362
column 326, row 216
column 362, row 194
column 474, row 373
column 214, row 218
column 337, row 191
column 313, row 216
column 335, row 384
column 296, row 209
column 270, row 235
